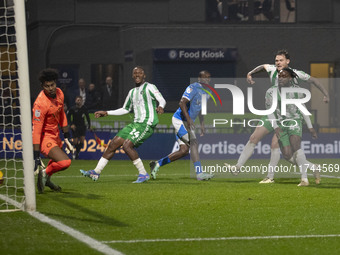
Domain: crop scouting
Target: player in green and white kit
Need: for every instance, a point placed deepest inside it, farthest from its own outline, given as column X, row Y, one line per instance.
column 289, row 133
column 143, row 101
column 282, row 60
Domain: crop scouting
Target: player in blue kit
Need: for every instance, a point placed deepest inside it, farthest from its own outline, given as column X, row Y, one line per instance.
column 183, row 122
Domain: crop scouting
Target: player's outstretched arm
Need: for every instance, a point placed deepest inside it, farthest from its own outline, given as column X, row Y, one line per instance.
column 313, row 133
column 307, row 119
column 120, row 111
column 127, row 107
column 99, row 114
column 310, row 126
column 257, row 69
column 317, row 84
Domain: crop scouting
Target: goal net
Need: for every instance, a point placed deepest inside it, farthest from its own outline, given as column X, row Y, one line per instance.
column 17, row 190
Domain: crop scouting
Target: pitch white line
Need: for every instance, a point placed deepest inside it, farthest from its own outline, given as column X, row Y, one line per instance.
column 11, row 201
column 18, row 205
column 94, row 244
column 330, row 176
column 220, row 238
column 324, row 176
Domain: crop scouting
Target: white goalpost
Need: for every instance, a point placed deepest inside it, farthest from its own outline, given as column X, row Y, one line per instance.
column 17, row 191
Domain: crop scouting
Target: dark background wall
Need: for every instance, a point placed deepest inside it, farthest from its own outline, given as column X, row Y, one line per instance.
column 85, row 32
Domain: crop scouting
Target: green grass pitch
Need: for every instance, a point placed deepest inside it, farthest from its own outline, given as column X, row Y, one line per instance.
column 169, row 215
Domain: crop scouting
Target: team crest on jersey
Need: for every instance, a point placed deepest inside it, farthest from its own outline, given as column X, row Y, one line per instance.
column 189, row 90
column 37, row 113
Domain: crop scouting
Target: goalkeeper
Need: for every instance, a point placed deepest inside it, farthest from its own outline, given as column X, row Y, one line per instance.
column 48, row 115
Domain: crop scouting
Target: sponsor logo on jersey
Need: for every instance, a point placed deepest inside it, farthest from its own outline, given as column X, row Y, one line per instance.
column 37, row 113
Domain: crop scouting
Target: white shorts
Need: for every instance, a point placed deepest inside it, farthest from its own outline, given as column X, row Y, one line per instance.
column 182, row 135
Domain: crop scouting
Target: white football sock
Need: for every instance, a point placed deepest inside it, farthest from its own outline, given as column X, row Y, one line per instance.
column 246, row 154
column 310, row 165
column 139, row 164
column 101, row 164
column 274, row 160
column 302, row 162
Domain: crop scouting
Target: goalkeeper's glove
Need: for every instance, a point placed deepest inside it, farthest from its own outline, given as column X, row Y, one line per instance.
column 38, row 164
column 69, row 146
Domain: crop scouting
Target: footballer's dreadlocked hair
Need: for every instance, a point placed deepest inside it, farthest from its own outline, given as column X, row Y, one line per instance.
column 295, row 77
column 291, row 72
column 48, row 74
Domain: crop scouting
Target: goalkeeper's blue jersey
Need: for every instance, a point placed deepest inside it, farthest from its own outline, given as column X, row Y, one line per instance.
column 194, row 94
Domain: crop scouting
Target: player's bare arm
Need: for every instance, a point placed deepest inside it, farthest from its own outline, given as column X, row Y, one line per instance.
column 160, row 110
column 313, row 133
column 317, row 84
column 257, row 69
column 183, row 105
column 99, row 114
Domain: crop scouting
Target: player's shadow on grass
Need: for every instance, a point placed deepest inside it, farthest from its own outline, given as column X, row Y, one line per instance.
column 323, row 185
column 181, row 180
column 173, row 181
column 328, row 186
column 187, row 180
column 286, row 181
column 94, row 216
column 237, row 180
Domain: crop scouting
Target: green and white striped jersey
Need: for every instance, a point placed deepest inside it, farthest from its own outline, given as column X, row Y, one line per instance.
column 292, row 111
column 143, row 101
column 273, row 75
